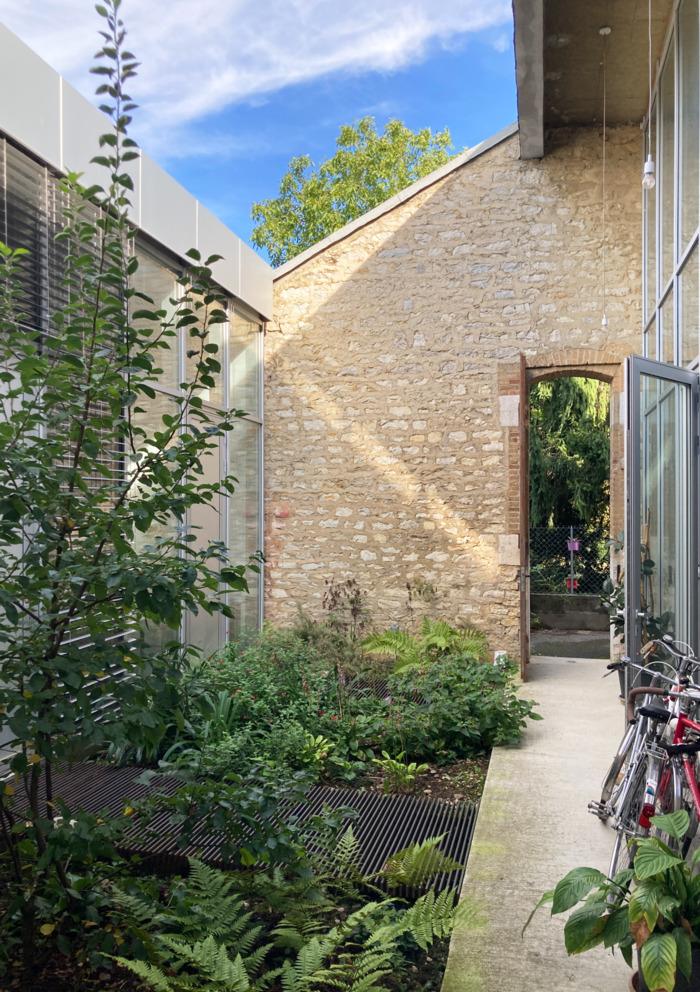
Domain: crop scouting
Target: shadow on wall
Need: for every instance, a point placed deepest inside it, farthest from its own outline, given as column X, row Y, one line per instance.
column 386, row 454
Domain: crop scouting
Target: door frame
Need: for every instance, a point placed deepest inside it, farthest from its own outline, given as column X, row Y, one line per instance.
column 636, row 367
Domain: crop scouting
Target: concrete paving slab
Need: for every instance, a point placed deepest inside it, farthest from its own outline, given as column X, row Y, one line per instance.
column 534, row 827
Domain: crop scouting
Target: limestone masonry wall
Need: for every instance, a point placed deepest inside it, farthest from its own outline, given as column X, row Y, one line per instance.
column 391, row 440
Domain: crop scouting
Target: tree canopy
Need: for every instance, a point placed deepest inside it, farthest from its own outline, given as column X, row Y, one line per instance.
column 569, row 453
column 367, row 169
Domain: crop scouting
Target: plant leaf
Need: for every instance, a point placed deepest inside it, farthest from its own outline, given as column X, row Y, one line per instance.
column 574, row 887
column 658, row 961
column 585, row 928
column 650, row 861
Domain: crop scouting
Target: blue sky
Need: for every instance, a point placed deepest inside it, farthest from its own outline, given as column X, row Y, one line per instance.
column 229, row 93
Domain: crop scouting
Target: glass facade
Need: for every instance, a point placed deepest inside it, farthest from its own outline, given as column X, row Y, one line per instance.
column 237, row 518
column 31, row 204
column 671, row 211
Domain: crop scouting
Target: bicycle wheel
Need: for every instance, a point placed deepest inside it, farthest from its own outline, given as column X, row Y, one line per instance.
column 615, row 776
column 627, row 826
column 669, row 798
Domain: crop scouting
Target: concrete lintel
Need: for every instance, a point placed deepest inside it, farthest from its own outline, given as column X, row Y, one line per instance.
column 529, row 74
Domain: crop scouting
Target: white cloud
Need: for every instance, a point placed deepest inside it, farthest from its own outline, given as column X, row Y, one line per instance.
column 502, row 43
column 198, row 57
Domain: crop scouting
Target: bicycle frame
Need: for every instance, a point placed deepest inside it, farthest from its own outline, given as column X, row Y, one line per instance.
column 684, row 723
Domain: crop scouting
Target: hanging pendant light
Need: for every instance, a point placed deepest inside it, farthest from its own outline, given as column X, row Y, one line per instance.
column 649, row 174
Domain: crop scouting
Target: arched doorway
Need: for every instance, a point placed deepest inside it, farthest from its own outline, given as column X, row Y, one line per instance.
column 582, row 363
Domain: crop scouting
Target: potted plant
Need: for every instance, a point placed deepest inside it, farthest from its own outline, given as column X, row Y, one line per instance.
column 654, row 906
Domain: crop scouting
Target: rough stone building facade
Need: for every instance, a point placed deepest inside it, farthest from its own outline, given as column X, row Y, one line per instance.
column 395, row 368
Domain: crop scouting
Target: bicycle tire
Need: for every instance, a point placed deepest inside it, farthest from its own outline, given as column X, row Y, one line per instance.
column 669, row 799
column 614, row 777
column 627, row 827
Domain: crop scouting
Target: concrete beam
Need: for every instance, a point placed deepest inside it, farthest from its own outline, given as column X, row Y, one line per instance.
column 529, row 74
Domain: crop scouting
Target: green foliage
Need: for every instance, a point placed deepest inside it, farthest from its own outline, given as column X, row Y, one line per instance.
column 286, row 706
column 333, row 644
column 367, row 169
column 399, row 776
column 437, row 639
column 569, row 453
column 657, row 900
column 86, row 483
column 449, row 709
column 204, row 939
column 417, row 864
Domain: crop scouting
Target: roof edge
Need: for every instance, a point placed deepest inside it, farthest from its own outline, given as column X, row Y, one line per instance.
column 529, row 75
column 401, row 197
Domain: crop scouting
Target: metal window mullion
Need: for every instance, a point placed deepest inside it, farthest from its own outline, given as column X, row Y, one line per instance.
column 676, row 186
column 656, row 102
column 3, row 191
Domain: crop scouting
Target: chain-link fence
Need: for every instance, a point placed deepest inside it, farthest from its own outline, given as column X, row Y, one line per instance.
column 568, row 559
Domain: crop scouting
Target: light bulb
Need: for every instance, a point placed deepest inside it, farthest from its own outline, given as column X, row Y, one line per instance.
column 604, row 321
column 649, row 179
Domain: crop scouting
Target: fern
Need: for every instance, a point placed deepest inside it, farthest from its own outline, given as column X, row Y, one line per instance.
column 417, row 863
column 406, row 649
column 437, row 639
column 214, row 969
column 215, row 910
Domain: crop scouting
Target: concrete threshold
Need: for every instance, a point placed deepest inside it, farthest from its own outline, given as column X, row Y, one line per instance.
column 534, row 827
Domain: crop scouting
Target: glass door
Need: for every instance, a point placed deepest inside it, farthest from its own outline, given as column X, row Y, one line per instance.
column 661, row 570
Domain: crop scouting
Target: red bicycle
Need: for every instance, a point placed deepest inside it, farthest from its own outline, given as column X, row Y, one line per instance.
column 672, row 759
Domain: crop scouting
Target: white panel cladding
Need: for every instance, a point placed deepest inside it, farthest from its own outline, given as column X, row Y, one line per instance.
column 30, row 101
column 43, row 113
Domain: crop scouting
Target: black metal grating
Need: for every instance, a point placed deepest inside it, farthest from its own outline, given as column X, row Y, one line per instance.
column 384, row 825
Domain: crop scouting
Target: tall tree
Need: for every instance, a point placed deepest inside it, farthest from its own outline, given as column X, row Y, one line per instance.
column 569, row 453
column 367, row 169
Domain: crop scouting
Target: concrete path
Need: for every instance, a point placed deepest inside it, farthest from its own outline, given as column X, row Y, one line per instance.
column 533, row 827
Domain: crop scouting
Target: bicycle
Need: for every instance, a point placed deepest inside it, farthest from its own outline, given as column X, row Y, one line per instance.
column 641, row 781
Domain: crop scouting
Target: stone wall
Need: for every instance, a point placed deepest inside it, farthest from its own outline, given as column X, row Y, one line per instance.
column 392, row 408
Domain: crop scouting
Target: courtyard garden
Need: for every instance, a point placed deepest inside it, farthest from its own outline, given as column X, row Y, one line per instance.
column 104, row 469
column 260, row 726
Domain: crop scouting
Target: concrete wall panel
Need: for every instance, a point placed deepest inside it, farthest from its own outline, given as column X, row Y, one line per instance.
column 256, row 285
column 30, row 99
column 214, row 238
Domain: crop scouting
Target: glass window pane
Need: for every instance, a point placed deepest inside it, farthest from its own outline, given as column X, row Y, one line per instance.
column 649, row 341
column 194, row 354
column 650, row 229
column 689, row 119
column 159, row 284
column 667, row 350
column 689, row 304
column 667, row 176
column 150, row 421
column 244, row 519
column 245, row 345
column 206, row 525
column 665, row 502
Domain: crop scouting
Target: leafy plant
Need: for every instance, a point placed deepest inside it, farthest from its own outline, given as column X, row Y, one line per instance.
column 346, row 606
column 654, row 905
column 337, row 958
column 87, row 483
column 367, row 169
column 437, row 639
column 316, row 749
column 399, row 776
column 451, row 709
column 417, row 864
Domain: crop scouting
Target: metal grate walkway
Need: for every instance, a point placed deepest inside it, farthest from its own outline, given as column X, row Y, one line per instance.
column 384, row 824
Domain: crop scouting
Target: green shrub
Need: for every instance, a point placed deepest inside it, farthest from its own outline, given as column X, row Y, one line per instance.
column 450, row 709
